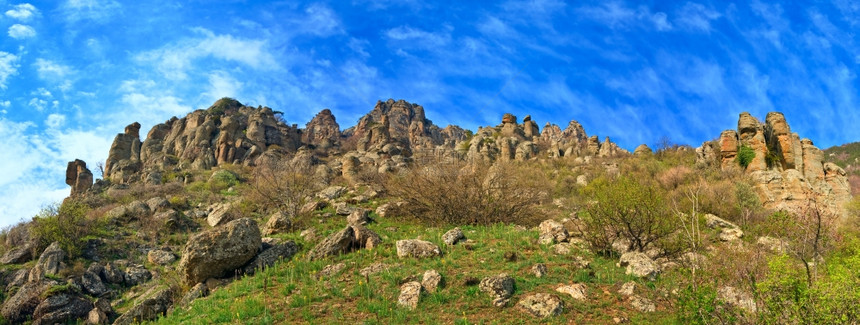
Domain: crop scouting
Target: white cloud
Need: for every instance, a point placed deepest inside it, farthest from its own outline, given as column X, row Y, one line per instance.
column 22, row 12
column 696, row 16
column 5, row 104
column 660, row 22
column 175, row 61
column 8, row 67
column 93, row 10
column 420, row 37
column 222, row 85
column 18, row 31
column 321, row 21
column 52, row 71
column 55, row 120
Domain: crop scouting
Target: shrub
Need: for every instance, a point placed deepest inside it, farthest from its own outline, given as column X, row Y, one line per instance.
column 626, row 208
column 280, row 185
column 453, row 192
column 745, row 156
column 222, row 180
column 66, row 224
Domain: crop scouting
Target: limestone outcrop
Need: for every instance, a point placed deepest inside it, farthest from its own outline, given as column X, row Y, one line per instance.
column 322, row 131
column 79, row 177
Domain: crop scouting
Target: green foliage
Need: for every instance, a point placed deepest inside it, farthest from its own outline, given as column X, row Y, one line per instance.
column 625, row 208
column 772, row 157
column 697, row 305
column 67, row 224
column 745, row 156
column 222, row 105
column 222, row 180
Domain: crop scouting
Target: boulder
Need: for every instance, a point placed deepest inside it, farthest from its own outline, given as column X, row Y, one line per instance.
column 219, row 251
column 410, row 293
column 21, row 305
column 198, row 291
column 500, row 288
column 642, row 304
column 113, row 274
column 136, row 274
column 552, row 231
column 453, row 236
column 79, row 177
column 92, row 284
column 50, row 262
column 96, row 316
column 539, row 270
column 17, row 255
column 417, row 248
column 364, row 238
column 219, row 214
column 61, row 308
column 160, row 257
column 269, row 256
column 278, row 222
column 158, row 204
column 640, row 265
column 642, row 150
column 149, row 306
column 331, row 192
column 542, row 305
column 358, row 217
column 373, row 269
column 337, row 243
column 576, row 291
column 431, row 280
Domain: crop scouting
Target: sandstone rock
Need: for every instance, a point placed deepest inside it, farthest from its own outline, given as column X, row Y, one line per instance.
column 97, row 316
column 60, row 308
column 417, row 248
column 576, row 291
column 389, row 209
column 219, row 214
column 160, row 257
column 124, row 156
column 729, row 144
column 640, row 265
column 410, row 293
column 49, row 263
column 627, row 289
column 312, row 206
column 22, row 304
column 500, row 288
column 149, row 306
column 642, row 150
column 552, row 231
column 364, row 238
column 714, row 222
column 268, row 257
column 322, row 131
column 453, row 236
column 219, row 251
column 342, row 208
column 731, row 234
column 642, row 304
column 773, row 245
column 539, row 270
column 79, row 177
column 278, row 222
column 582, row 180
column 431, row 280
column 336, row 243
column 542, row 305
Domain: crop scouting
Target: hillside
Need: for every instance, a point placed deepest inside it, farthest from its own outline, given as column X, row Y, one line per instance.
column 847, row 156
column 232, row 215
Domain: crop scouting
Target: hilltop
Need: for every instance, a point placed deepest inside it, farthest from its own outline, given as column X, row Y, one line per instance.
column 231, row 215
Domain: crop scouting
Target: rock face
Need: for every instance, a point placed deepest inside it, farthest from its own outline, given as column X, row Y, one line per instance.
column 21, row 305
column 400, row 123
column 322, row 131
column 49, row 263
column 124, row 156
column 786, row 168
column 60, row 308
column 219, row 251
column 79, row 177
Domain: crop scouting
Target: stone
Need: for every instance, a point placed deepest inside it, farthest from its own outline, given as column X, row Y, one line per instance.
column 198, row 291
column 431, row 281
column 331, row 192
column 627, row 289
column 218, row 251
column 135, row 275
column 149, row 306
column 364, row 238
column 373, row 269
column 219, row 214
column 158, row 204
column 773, row 245
column 60, row 308
column 92, row 284
column 331, row 269
column 642, row 150
column 342, row 208
column 562, row 248
column 730, row 234
column 500, row 288
column 337, row 243
column 642, row 304
column 736, row 298
column 50, row 262
column 542, row 305
column 509, row 118
column 417, row 248
column 97, row 316
column 17, row 278
column 23, row 303
column 113, row 274
column 358, row 217
column 79, row 177
column 268, row 257
column 576, row 291
column 410, row 293
column 312, row 206
column 453, row 236
column 552, row 231
column 539, row 270
column 322, row 131
column 279, row 222
column 640, row 265
column 160, row 257
column 582, row 180
column 389, row 209
column 17, row 255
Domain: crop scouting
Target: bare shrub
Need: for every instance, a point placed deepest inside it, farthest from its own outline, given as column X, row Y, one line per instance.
column 452, row 192
column 280, row 185
column 675, row 176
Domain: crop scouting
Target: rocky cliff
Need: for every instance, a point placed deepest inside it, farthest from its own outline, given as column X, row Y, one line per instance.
column 788, row 170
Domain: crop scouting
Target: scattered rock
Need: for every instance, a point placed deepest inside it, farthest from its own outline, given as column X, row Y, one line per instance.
column 309, row 234
column 431, row 280
column 198, row 291
column 158, row 204
column 219, row 214
column 50, row 262
column 331, row 269
column 552, row 231
column 97, row 316
column 562, row 248
column 736, row 298
column 160, row 257
column 640, row 265
column 581, row 263
column 135, row 275
column 17, row 255
column 219, row 251
column 453, row 236
column 542, row 305
column 576, row 291
column 336, row 243
column 312, row 206
column 731, row 234
column 539, row 270
column 60, row 308
column 389, row 209
column 774, row 245
column 365, row 238
column 342, row 208
column 627, row 288
column 278, row 222
column 417, row 248
column 22, row 304
column 410, row 293
column 500, row 287
column 511, row 256
column 269, row 256
column 332, row 192
column 149, row 306
column 113, row 274
column 642, row 304
column 93, row 284
column 373, row 269
column 358, row 217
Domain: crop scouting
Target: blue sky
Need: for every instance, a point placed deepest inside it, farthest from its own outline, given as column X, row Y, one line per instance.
column 73, row 73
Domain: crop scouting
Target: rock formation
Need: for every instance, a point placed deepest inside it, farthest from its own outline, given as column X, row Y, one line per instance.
column 786, row 169
column 322, row 131
column 79, row 177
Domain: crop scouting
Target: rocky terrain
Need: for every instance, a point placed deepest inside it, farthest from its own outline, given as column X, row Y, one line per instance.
column 231, row 215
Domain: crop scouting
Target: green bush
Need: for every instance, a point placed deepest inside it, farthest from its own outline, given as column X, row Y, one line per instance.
column 222, row 180
column 66, row 224
column 745, row 156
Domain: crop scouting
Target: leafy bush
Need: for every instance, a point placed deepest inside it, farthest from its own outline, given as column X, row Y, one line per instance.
column 476, row 194
column 66, row 224
column 222, row 180
column 745, row 156
column 625, row 208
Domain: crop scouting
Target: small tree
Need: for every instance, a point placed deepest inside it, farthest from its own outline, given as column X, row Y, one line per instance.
column 745, row 156
column 65, row 223
column 282, row 185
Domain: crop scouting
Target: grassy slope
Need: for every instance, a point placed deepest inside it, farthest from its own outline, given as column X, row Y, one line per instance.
column 291, row 293
column 844, row 155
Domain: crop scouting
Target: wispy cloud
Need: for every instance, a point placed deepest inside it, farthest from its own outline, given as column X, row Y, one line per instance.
column 98, row 11
column 22, row 12
column 696, row 16
column 8, row 67
column 18, row 31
